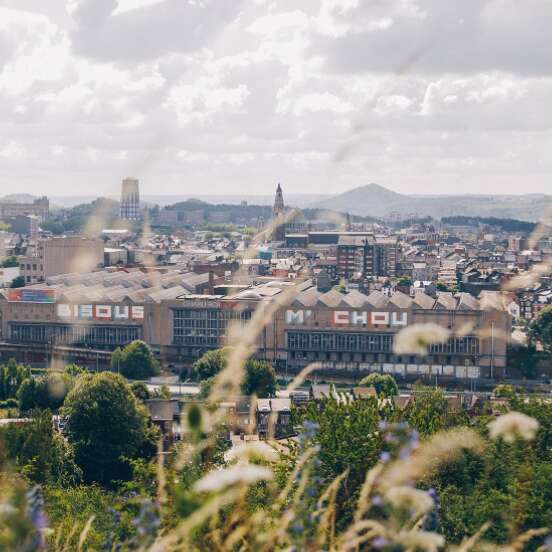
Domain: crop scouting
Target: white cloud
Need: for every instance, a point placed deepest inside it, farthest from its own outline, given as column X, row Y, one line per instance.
column 212, row 95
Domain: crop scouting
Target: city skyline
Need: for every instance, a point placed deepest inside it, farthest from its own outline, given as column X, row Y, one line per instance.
column 420, row 97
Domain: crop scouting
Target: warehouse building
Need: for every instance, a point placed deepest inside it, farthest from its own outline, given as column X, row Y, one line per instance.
column 181, row 316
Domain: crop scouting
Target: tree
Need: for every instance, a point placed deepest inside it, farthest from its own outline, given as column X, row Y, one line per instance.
column 441, row 286
column 404, row 281
column 211, row 363
column 541, row 329
column 18, row 282
column 46, row 392
column 12, row 376
column 348, row 437
column 260, row 379
column 106, row 425
column 9, row 262
column 135, row 361
column 522, row 361
column 384, row 384
column 140, row 391
column 428, row 411
column 40, row 452
column 505, row 391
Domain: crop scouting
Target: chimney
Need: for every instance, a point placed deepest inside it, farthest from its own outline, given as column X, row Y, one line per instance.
column 211, row 282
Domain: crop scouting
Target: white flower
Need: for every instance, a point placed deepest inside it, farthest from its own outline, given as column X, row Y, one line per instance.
column 513, row 425
column 419, row 540
column 414, row 340
column 410, row 499
column 252, row 449
column 220, row 479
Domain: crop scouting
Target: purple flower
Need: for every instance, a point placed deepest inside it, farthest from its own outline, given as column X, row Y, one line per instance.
column 377, row 500
column 547, row 545
column 379, row 542
column 383, row 425
column 37, row 516
column 310, row 429
column 404, row 453
column 297, row 528
column 385, row 456
column 311, row 491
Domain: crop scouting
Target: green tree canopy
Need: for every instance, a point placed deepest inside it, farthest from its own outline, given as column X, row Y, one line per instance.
column 135, row 361
column 18, row 282
column 428, row 411
column 211, row 363
column 384, row 384
column 504, row 390
column 259, row 379
column 9, row 262
column 348, row 437
column 39, row 451
column 522, row 361
column 12, row 376
column 404, row 281
column 541, row 329
column 105, row 424
column 48, row 391
column 140, row 391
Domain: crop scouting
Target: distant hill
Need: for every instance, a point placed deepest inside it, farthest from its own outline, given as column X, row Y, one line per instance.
column 377, row 201
column 17, row 198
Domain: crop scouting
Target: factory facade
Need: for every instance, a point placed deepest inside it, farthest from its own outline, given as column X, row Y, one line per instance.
column 84, row 317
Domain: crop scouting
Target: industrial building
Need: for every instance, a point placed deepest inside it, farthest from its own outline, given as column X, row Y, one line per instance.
column 83, row 317
column 61, row 255
column 39, row 207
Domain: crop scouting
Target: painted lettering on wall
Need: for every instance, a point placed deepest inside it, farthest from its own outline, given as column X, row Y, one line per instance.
column 297, row 317
column 100, row 312
column 351, row 318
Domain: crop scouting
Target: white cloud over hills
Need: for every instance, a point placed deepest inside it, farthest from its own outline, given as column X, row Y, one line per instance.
column 199, row 96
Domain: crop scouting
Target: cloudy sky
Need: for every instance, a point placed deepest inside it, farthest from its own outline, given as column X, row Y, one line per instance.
column 231, row 96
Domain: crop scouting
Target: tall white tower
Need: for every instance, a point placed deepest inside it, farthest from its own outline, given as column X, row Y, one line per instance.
column 130, row 199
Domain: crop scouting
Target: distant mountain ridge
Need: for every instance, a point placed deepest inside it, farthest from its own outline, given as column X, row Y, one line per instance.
column 377, row 201
column 17, row 198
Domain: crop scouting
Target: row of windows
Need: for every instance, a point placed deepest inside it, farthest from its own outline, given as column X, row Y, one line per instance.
column 320, row 356
column 331, row 341
column 467, row 345
column 35, row 266
column 204, row 327
column 371, row 343
column 211, row 314
column 74, row 334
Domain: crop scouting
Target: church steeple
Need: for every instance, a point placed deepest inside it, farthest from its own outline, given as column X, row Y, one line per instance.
column 278, row 208
column 279, row 232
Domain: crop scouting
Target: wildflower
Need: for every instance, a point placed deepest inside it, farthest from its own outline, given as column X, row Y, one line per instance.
column 377, row 501
column 297, row 528
column 37, row 516
column 419, row 502
column 383, row 425
column 312, row 492
column 404, row 453
column 415, row 340
column 385, row 457
column 431, row 520
column 310, row 429
column 419, row 540
column 512, row 426
column 379, row 542
column 547, row 544
column 220, row 479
